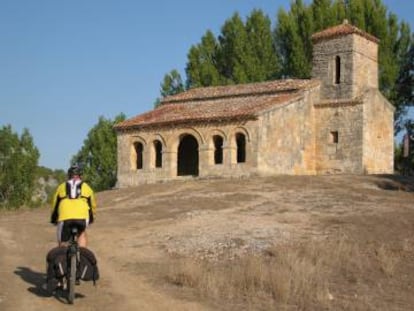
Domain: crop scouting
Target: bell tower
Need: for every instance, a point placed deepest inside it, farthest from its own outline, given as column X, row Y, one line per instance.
column 345, row 60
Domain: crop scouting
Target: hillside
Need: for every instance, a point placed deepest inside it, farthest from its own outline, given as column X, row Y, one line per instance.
column 295, row 243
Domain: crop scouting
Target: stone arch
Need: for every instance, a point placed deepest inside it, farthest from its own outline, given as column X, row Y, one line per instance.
column 213, row 133
column 156, row 151
column 174, row 140
column 138, row 146
column 239, row 129
column 216, row 142
column 239, row 141
column 187, row 155
column 160, row 138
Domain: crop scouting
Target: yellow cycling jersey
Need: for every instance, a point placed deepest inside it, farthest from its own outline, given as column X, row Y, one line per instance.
column 77, row 208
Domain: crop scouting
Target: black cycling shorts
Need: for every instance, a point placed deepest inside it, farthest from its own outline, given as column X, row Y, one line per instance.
column 64, row 228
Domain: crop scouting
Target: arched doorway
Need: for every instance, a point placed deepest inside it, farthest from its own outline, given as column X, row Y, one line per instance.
column 187, row 161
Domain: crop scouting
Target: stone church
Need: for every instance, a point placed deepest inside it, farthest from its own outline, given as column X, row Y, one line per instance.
column 337, row 122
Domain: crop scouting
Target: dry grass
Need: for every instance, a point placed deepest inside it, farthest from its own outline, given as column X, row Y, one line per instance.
column 302, row 276
column 388, row 260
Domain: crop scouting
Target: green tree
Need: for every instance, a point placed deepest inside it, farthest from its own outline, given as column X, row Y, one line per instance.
column 243, row 52
column 292, row 37
column 172, row 84
column 263, row 62
column 98, row 155
column 202, row 68
column 235, row 52
column 405, row 87
column 18, row 161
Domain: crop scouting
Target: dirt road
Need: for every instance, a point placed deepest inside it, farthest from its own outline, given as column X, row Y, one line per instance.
column 26, row 237
column 138, row 228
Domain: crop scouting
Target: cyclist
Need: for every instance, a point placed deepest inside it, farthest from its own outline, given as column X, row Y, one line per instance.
column 74, row 204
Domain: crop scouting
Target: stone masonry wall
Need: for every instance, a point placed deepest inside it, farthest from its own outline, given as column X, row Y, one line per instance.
column 339, row 138
column 365, row 71
column 378, row 152
column 286, row 140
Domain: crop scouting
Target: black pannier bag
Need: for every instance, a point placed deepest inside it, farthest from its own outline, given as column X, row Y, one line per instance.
column 88, row 266
column 56, row 259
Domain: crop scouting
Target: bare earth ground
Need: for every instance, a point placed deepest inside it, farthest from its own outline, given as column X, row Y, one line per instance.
column 139, row 229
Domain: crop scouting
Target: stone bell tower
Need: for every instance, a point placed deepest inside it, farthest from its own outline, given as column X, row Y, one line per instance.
column 345, row 59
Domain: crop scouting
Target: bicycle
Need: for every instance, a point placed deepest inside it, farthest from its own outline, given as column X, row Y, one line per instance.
column 70, row 255
column 69, row 264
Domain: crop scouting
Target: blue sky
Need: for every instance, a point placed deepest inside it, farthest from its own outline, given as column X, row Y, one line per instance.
column 64, row 63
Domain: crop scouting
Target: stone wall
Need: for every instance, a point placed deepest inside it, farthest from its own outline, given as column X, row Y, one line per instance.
column 365, row 71
column 339, row 137
column 378, row 152
column 286, row 140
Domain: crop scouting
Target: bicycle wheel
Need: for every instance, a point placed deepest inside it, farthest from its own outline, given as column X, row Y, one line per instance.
column 72, row 279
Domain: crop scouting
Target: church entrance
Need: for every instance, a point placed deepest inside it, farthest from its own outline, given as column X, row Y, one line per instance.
column 187, row 156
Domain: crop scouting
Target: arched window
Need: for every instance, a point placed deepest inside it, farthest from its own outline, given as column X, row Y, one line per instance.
column 218, row 149
column 158, row 153
column 337, row 70
column 139, row 150
column 241, row 147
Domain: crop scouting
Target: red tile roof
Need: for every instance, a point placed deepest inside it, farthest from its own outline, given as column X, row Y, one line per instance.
column 342, row 30
column 219, row 104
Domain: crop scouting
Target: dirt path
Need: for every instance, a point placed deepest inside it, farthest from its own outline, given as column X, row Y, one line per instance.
column 138, row 228
column 25, row 238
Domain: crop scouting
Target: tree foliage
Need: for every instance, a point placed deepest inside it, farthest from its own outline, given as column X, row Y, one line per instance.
column 172, row 84
column 98, row 155
column 405, row 86
column 244, row 52
column 252, row 51
column 202, row 67
column 18, row 162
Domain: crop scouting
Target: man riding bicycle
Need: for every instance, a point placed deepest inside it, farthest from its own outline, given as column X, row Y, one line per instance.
column 74, row 204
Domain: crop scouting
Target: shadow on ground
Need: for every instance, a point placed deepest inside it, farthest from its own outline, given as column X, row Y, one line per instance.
column 396, row 182
column 38, row 282
column 34, row 278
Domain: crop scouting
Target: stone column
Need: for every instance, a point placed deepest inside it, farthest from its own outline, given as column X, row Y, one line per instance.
column 170, row 164
column 204, row 160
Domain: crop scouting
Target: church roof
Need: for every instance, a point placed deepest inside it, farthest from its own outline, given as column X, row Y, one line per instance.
column 219, row 103
column 341, row 30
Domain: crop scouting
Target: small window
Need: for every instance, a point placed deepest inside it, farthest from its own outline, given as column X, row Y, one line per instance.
column 334, row 137
column 158, row 153
column 241, row 147
column 337, row 70
column 218, row 149
column 139, row 148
